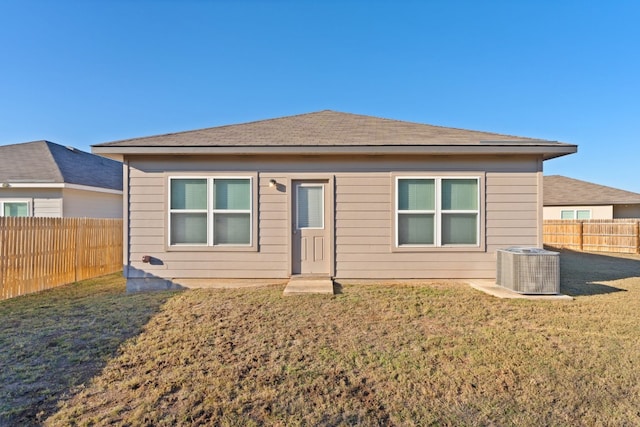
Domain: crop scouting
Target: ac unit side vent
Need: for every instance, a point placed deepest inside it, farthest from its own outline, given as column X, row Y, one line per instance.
column 529, row 270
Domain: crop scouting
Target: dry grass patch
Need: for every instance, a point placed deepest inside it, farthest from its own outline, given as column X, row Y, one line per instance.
column 432, row 354
column 429, row 354
column 53, row 342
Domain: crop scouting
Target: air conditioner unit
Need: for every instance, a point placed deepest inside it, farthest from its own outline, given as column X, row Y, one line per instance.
column 529, row 270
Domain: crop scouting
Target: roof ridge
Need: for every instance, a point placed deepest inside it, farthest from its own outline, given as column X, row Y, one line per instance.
column 50, row 155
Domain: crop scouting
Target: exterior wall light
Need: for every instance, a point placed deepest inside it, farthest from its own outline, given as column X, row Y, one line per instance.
column 272, row 183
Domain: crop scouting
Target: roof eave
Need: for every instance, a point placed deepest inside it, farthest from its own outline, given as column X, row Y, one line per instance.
column 8, row 184
column 547, row 151
column 592, row 203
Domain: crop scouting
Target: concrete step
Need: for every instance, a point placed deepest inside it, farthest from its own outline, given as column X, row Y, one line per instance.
column 309, row 285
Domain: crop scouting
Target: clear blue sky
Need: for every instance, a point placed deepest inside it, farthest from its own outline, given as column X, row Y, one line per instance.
column 85, row 72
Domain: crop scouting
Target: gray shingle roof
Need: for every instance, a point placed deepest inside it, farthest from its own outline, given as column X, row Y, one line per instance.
column 563, row 191
column 46, row 162
column 324, row 130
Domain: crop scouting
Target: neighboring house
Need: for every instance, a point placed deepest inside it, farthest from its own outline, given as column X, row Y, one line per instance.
column 44, row 179
column 568, row 198
column 328, row 194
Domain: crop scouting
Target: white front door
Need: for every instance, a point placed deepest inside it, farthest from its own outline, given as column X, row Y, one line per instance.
column 311, row 242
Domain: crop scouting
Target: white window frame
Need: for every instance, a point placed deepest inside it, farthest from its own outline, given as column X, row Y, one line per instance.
column 210, row 211
column 27, row 201
column 438, row 211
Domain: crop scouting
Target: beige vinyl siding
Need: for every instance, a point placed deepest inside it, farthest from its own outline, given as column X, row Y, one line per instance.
column 148, row 235
column 90, row 204
column 364, row 237
column 45, row 202
column 364, row 244
column 512, row 210
column 363, row 216
column 69, row 203
column 597, row 212
column 49, row 207
column 145, row 189
column 363, row 223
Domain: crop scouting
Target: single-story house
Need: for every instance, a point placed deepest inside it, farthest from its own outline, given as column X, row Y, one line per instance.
column 43, row 179
column 329, row 194
column 568, row 198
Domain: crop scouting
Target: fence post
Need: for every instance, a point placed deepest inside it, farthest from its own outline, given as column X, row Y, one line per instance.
column 3, row 267
column 78, row 225
column 636, row 228
column 581, row 235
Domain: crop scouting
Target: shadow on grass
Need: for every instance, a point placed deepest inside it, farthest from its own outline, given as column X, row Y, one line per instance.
column 581, row 273
column 54, row 342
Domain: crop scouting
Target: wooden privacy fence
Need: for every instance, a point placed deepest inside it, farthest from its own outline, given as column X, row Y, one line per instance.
column 594, row 235
column 42, row 253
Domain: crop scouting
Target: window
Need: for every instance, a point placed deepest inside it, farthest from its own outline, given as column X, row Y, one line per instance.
column 583, row 214
column 14, row 208
column 567, row 215
column 437, row 212
column 575, row 214
column 310, row 206
column 210, row 211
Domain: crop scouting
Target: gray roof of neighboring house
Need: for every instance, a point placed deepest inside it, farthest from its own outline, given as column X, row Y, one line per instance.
column 562, row 191
column 44, row 162
column 332, row 132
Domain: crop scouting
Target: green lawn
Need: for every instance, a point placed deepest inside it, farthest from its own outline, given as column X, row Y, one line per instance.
column 377, row 354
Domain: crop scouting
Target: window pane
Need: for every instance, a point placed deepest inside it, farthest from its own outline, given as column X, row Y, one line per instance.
column 232, row 194
column 415, row 229
column 16, row 209
column 459, row 194
column 310, row 207
column 584, row 214
column 232, row 228
column 567, row 215
column 416, row 194
column 459, row 229
column 188, row 194
column 188, row 228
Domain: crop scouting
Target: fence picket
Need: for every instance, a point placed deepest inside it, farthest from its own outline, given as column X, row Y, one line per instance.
column 42, row 253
